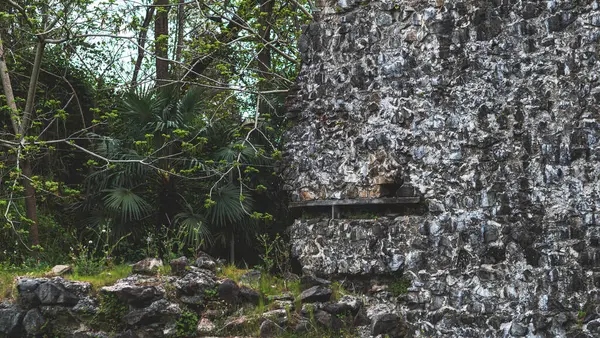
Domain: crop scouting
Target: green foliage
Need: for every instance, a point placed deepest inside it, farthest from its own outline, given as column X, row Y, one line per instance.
column 190, row 166
column 275, row 253
column 399, row 286
column 111, row 310
column 211, row 293
column 186, row 324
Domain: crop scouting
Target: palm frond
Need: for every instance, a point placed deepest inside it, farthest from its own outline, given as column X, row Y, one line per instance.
column 228, row 209
column 193, row 230
column 126, row 204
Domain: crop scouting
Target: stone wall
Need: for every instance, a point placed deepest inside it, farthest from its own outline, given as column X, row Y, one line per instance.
column 490, row 109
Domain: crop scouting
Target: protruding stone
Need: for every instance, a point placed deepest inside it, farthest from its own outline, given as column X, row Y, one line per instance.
column 229, row 291
column 147, row 266
column 179, row 265
column 388, row 324
column 205, row 327
column 269, row 329
column 316, row 294
column 59, row 270
column 205, row 261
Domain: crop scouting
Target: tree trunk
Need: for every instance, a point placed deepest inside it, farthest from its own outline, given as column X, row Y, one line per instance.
column 30, row 203
column 264, row 54
column 161, row 41
column 21, row 127
column 141, row 43
column 180, row 33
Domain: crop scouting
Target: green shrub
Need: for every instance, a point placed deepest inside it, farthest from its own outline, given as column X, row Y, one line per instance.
column 186, row 324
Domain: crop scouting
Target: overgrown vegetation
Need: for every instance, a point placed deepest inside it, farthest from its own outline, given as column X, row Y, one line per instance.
column 142, row 140
column 186, row 324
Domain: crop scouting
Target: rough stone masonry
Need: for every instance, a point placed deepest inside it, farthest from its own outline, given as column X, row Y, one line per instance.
column 490, row 110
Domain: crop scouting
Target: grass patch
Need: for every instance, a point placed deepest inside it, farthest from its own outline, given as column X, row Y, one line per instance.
column 107, row 277
column 104, row 278
column 8, row 277
column 266, row 285
column 232, row 272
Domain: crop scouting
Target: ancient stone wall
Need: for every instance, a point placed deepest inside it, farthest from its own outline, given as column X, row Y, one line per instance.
column 490, row 110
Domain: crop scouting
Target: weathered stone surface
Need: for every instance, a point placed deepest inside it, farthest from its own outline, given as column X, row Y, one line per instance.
column 135, row 291
column 195, row 283
column 310, row 280
column 315, row 294
column 59, row 270
column 248, row 295
column 179, row 265
column 33, row 322
column 205, row 326
column 11, row 317
column 279, row 316
column 388, row 324
column 205, row 261
column 269, row 329
column 159, row 311
column 489, row 110
column 50, row 291
column 229, row 291
column 147, row 266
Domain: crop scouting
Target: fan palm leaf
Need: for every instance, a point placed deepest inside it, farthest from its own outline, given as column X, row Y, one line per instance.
column 126, row 203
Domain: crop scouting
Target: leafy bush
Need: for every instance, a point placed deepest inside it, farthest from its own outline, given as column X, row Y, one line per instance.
column 186, row 324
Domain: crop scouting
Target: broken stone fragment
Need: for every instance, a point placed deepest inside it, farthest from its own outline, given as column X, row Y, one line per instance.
column 59, row 270
column 147, row 266
column 316, row 294
column 179, row 265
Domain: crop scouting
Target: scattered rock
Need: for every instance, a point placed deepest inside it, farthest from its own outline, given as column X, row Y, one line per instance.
column 309, row 280
column 205, row 261
column 33, row 322
column 179, row 265
column 279, row 316
column 229, row 291
column 59, row 270
column 205, row 326
column 316, row 294
column 303, row 325
column 282, row 304
column 269, row 329
column 327, row 320
column 388, row 324
column 236, row 323
column 248, row 295
column 147, row 266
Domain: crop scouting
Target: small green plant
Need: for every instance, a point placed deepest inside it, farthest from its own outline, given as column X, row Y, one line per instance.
column 211, row 293
column 186, row 324
column 93, row 257
column 276, row 253
column 338, row 291
column 111, row 310
column 399, row 287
